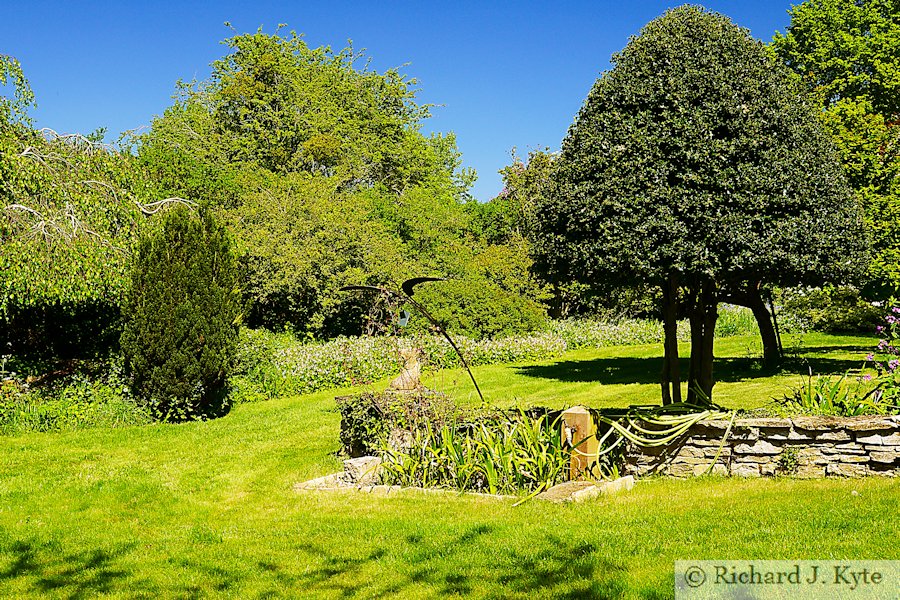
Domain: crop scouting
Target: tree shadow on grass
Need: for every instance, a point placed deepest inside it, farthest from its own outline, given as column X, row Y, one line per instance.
column 549, row 567
column 84, row 574
column 627, row 370
column 461, row 564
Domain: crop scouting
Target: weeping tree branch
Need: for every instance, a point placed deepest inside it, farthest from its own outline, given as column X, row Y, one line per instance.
column 38, row 213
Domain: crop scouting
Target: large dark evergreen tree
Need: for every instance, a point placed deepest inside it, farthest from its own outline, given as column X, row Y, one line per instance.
column 696, row 166
column 181, row 316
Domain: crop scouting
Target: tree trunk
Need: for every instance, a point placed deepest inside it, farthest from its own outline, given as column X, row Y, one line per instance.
column 751, row 297
column 703, row 315
column 670, row 379
column 710, row 316
column 771, row 347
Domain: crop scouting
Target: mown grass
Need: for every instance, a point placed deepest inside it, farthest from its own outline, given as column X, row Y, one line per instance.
column 625, row 375
column 207, row 509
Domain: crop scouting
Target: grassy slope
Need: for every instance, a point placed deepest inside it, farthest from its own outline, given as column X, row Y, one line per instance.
column 207, row 509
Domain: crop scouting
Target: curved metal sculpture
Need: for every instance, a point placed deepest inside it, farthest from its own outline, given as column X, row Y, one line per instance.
column 406, row 295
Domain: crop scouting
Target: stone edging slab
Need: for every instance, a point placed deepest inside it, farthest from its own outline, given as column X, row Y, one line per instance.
column 360, row 475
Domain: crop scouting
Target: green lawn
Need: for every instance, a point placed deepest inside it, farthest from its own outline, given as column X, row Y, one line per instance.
column 207, row 509
column 620, row 376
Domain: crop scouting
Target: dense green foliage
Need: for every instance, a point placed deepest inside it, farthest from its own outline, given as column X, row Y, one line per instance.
column 846, row 50
column 848, row 55
column 511, row 215
column 72, row 206
column 691, row 156
column 69, row 205
column 481, row 309
column 182, row 314
column 688, row 168
column 320, row 170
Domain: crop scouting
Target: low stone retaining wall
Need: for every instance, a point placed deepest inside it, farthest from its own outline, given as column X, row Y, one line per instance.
column 810, row 447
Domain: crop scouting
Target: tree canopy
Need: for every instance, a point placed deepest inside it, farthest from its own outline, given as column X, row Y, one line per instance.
column 846, row 50
column 695, row 165
column 69, row 203
column 319, row 167
column 847, row 54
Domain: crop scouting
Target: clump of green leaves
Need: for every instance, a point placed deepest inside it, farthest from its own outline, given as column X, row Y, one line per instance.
column 842, row 396
column 512, row 454
column 789, row 460
column 182, row 316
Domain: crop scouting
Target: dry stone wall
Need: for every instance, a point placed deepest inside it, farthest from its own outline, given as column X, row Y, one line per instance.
column 810, row 447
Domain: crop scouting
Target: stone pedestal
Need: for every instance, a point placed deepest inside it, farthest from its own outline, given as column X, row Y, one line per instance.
column 579, row 429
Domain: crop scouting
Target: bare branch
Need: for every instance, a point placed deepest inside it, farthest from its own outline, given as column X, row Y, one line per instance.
column 22, row 207
column 154, row 207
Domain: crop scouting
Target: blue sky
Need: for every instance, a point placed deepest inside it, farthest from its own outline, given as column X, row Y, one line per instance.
column 510, row 74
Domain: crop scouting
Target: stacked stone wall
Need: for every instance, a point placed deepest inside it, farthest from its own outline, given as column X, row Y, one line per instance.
column 809, row 447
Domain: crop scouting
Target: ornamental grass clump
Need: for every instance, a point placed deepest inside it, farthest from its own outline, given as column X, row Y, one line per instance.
column 510, row 455
column 843, row 396
column 855, row 394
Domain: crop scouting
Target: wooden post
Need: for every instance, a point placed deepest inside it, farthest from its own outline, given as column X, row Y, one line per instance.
column 578, row 424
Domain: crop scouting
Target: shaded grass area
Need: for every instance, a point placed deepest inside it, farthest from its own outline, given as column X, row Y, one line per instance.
column 207, row 510
column 625, row 375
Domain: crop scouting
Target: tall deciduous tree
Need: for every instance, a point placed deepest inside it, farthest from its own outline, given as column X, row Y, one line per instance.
column 69, row 210
column 848, row 55
column 694, row 165
column 321, row 171
column 846, row 50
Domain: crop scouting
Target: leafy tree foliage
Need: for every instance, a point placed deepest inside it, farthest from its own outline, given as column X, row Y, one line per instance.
column 846, row 50
column 276, row 104
column 479, row 309
column 14, row 111
column 182, row 313
column 869, row 149
column 848, row 55
column 694, row 167
column 510, row 216
column 506, row 216
column 318, row 166
column 69, row 211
